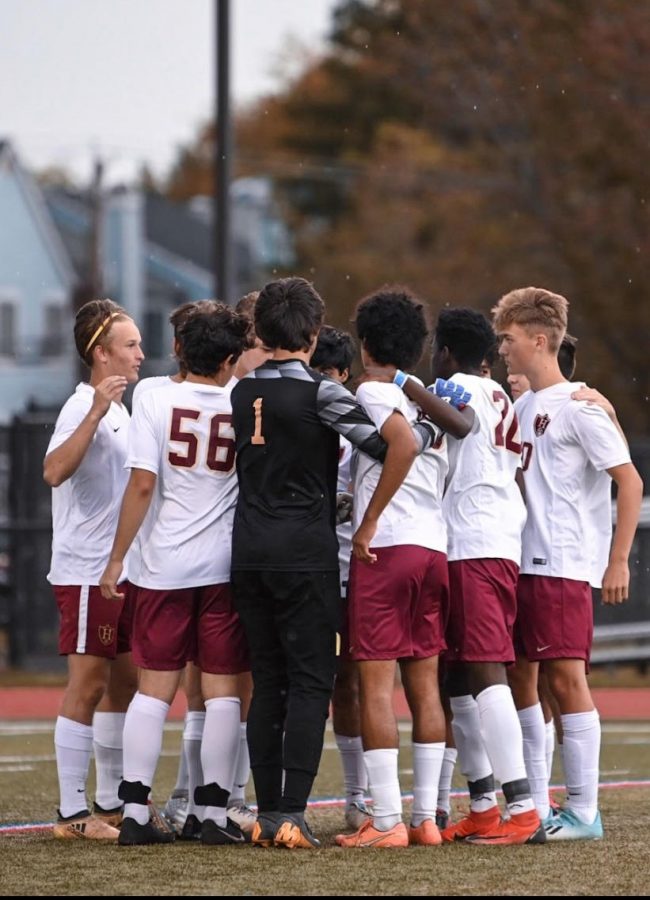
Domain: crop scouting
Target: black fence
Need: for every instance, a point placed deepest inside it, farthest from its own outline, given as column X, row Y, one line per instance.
column 28, row 614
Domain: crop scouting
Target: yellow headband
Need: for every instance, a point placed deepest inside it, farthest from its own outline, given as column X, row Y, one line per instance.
column 99, row 331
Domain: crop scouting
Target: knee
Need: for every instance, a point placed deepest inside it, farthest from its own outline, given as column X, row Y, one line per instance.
column 87, row 692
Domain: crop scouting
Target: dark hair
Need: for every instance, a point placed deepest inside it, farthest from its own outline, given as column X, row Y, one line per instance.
column 392, row 325
column 245, row 306
column 93, row 324
column 335, row 350
column 468, row 336
column 210, row 336
column 288, row 313
column 566, row 356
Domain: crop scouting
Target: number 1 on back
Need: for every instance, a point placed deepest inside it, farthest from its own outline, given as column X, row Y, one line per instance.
column 258, row 437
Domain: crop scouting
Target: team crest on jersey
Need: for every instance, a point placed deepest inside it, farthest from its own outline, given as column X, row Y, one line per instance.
column 541, row 424
column 106, row 634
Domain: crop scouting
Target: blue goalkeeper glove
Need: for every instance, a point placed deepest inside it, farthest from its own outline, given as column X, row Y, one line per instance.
column 453, row 393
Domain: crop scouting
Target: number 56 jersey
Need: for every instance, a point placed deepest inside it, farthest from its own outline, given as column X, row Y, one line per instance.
column 483, row 507
column 183, row 434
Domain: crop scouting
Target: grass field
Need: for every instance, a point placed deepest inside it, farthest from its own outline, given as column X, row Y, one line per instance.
column 33, row 864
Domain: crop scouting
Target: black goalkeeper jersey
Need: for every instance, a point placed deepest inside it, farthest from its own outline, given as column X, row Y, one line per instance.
column 287, row 420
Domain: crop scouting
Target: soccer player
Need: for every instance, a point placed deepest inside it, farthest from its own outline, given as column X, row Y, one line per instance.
column 399, row 592
column 569, row 449
column 84, row 466
column 485, row 513
column 287, row 420
column 182, row 448
column 333, row 357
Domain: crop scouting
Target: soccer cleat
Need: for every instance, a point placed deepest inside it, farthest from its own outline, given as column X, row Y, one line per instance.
column 158, row 820
column 230, row 833
column 110, row 816
column 133, row 834
column 264, row 829
column 474, row 823
column 175, row 811
column 191, row 830
column 566, row 826
column 442, row 819
column 426, row 834
column 522, row 828
column 368, row 836
column 554, row 806
column 242, row 816
column 295, row 834
column 84, row 827
column 356, row 813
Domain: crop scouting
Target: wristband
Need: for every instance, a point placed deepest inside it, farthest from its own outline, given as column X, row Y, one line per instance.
column 400, row 378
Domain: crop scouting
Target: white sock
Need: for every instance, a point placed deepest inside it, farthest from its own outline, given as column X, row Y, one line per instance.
column 581, row 755
column 355, row 777
column 108, row 728
column 383, row 782
column 180, row 789
column 192, row 737
column 533, row 728
column 502, row 737
column 242, row 771
column 474, row 761
column 143, row 732
column 550, row 747
column 427, row 763
column 220, row 748
column 446, row 775
column 73, row 743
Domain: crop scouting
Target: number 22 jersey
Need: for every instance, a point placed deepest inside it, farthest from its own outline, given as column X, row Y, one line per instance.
column 183, row 434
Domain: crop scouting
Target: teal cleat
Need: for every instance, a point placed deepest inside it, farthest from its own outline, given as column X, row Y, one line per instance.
column 566, row 826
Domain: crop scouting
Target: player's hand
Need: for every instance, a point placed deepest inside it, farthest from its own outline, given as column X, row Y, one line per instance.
column 594, row 398
column 343, row 507
column 108, row 390
column 379, row 373
column 361, row 541
column 454, row 394
column 108, row 581
column 616, row 583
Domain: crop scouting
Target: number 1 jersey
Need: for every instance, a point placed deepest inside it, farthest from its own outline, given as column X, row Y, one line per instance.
column 183, row 434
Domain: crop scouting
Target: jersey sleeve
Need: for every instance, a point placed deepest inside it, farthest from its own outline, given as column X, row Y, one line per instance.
column 380, row 401
column 599, row 437
column 339, row 409
column 144, row 450
column 70, row 418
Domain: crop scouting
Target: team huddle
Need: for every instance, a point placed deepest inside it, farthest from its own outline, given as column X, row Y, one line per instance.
column 279, row 545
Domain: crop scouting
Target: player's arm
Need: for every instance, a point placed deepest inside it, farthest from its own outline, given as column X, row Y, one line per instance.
column 616, row 580
column 595, row 398
column 339, row 409
column 62, row 462
column 135, row 504
column 402, row 450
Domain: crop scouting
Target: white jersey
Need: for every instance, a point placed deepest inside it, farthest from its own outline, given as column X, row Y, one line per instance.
column 183, row 434
column 85, row 508
column 566, row 447
column 414, row 515
column 344, row 532
column 483, row 506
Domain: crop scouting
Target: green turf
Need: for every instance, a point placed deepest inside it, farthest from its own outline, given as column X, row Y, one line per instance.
column 35, row 865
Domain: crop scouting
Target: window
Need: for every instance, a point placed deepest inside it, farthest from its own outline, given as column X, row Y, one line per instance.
column 54, row 334
column 7, row 329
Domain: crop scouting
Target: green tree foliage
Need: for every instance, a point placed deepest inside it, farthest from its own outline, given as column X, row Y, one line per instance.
column 471, row 147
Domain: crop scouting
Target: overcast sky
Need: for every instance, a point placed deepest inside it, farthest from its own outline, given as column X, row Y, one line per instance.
column 133, row 79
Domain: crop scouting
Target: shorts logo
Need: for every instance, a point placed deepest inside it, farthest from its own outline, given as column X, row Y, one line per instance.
column 106, row 634
column 541, row 424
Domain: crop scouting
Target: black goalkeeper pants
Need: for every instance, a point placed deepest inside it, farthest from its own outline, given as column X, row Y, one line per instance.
column 290, row 620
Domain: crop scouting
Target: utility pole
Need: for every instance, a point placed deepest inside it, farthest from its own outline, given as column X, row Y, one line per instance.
column 222, row 158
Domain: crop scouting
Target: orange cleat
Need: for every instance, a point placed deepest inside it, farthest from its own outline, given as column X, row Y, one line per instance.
column 369, row 836
column 523, row 828
column 426, row 834
column 474, row 823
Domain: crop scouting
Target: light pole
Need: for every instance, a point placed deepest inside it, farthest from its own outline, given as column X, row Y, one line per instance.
column 222, row 158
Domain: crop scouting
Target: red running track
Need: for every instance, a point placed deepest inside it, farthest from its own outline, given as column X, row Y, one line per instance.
column 44, row 703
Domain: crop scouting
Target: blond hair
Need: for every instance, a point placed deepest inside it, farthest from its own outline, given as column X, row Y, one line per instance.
column 533, row 309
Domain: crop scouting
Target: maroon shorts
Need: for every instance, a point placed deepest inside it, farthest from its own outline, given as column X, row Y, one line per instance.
column 91, row 625
column 397, row 607
column 200, row 625
column 482, row 610
column 555, row 618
